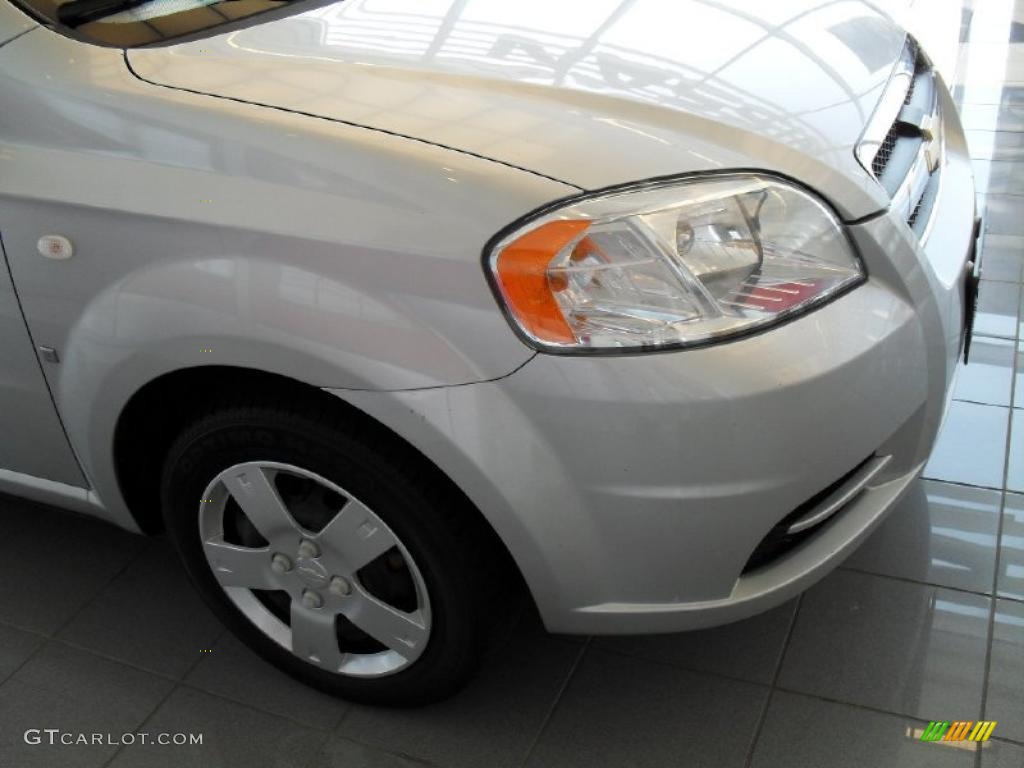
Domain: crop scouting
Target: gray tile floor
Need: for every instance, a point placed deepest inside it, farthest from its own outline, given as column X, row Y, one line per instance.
column 925, row 622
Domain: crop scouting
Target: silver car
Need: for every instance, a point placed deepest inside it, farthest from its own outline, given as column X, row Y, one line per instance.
column 379, row 308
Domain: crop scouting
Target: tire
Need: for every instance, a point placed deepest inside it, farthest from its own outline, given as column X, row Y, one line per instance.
column 219, row 484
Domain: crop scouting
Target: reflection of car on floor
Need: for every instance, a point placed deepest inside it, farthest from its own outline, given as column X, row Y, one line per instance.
column 370, row 304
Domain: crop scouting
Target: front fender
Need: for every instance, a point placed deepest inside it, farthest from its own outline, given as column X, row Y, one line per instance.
column 244, row 312
column 212, row 232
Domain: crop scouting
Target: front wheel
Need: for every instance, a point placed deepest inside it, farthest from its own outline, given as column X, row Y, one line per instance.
column 326, row 553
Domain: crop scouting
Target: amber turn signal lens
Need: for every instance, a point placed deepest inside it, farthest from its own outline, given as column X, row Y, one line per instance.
column 522, row 270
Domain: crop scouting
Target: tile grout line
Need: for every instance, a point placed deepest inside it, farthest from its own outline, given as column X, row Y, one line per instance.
column 42, row 642
column 375, row 748
column 1006, row 463
column 49, row 639
column 986, row 405
column 962, row 484
column 314, row 754
column 182, row 685
column 759, row 727
column 1002, row 194
column 183, row 682
column 987, row 674
column 558, row 699
column 326, row 735
column 622, row 654
column 934, row 585
column 329, row 730
column 123, row 662
column 141, row 725
column 53, row 639
column 174, row 687
column 341, row 720
column 120, row 661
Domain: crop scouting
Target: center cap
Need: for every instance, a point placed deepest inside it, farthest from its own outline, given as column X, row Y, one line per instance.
column 311, row 572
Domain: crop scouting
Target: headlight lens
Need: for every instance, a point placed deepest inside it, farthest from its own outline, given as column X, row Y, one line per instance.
column 673, row 265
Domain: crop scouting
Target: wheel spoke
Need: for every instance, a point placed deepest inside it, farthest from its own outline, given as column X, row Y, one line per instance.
column 235, row 566
column 358, row 535
column 252, row 488
column 314, row 638
column 404, row 633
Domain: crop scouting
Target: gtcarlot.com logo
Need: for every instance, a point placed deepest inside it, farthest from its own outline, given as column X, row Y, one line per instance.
column 55, row 736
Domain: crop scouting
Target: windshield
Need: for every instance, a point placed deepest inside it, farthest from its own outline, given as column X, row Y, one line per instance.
column 127, row 24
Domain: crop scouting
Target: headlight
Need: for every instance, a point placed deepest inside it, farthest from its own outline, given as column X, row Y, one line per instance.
column 676, row 264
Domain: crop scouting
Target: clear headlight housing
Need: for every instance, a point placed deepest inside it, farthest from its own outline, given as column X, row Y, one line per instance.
column 676, row 264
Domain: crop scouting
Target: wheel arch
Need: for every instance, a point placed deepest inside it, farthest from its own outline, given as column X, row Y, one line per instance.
column 158, row 411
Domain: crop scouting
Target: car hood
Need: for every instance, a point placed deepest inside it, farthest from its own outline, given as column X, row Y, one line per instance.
column 594, row 93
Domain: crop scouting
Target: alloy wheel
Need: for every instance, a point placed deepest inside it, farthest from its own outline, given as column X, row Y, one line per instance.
column 314, row 569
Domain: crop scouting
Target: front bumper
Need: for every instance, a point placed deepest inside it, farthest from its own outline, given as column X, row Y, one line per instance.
column 647, row 483
column 632, row 491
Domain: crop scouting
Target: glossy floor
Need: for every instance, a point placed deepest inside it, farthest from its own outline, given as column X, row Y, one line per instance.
column 100, row 633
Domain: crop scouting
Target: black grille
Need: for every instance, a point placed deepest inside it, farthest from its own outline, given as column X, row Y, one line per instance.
column 893, row 153
column 920, row 66
column 881, row 161
column 778, row 541
column 922, row 212
column 892, row 163
column 910, row 93
column 912, row 221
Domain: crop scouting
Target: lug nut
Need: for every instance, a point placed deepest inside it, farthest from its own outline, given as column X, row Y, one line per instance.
column 340, row 586
column 311, row 599
column 280, row 563
column 309, row 549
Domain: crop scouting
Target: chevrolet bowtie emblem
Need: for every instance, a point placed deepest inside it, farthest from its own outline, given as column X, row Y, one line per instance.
column 928, row 129
column 932, row 145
